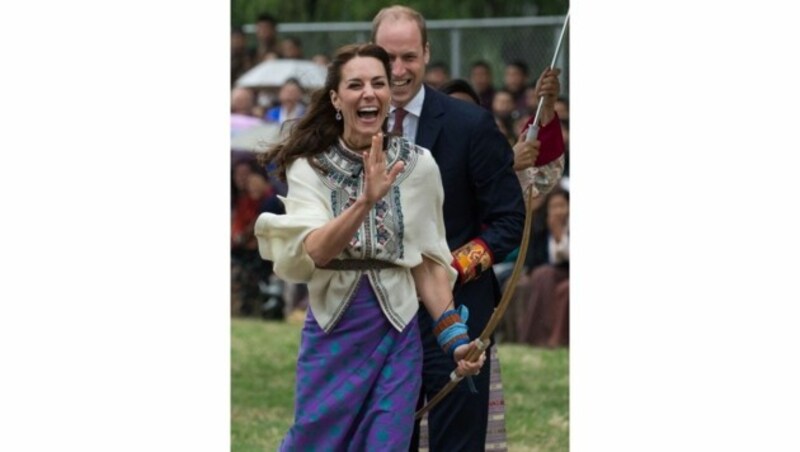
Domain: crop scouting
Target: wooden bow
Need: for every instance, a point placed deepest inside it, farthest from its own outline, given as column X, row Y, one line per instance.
column 530, row 193
column 497, row 315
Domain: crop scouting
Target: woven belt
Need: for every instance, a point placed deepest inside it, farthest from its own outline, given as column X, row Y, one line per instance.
column 357, row 264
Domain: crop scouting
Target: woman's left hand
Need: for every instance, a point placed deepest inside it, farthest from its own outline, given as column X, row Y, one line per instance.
column 467, row 368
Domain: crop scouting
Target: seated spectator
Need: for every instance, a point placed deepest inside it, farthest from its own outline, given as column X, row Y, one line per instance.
column 540, row 315
column 242, row 103
column 290, row 105
column 565, row 135
column 254, row 290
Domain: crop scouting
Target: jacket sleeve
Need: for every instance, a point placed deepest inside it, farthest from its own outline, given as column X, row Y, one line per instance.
column 499, row 197
column 281, row 237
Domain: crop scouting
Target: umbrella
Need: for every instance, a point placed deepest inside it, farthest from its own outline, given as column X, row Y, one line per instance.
column 257, row 138
column 240, row 123
column 274, row 73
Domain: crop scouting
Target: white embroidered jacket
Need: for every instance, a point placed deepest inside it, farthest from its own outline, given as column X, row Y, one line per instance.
column 402, row 227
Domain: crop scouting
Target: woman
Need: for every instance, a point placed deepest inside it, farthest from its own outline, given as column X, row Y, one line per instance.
column 364, row 228
column 540, row 317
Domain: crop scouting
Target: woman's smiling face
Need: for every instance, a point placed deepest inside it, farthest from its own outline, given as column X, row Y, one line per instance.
column 363, row 97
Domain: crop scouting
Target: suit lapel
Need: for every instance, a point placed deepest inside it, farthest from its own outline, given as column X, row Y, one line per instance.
column 430, row 120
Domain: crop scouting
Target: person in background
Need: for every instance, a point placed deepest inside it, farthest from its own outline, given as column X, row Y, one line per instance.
column 565, row 136
column 515, row 79
column 364, row 228
column 291, row 48
column 242, row 104
column 460, row 89
column 242, row 57
column 245, row 265
column 505, row 114
column 290, row 103
column 542, row 318
column 437, row 74
column 321, row 59
column 480, row 77
column 266, row 38
column 562, row 108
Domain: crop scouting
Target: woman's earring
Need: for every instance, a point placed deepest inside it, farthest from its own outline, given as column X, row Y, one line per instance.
column 338, row 115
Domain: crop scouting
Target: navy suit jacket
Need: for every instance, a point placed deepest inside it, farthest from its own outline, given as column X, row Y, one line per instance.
column 482, row 195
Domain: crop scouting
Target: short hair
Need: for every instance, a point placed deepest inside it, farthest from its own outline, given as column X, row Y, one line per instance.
column 481, row 63
column 519, row 64
column 294, row 40
column 439, row 65
column 459, row 85
column 266, row 17
column 397, row 12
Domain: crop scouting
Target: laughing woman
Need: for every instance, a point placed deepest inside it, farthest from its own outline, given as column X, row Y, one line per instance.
column 364, row 229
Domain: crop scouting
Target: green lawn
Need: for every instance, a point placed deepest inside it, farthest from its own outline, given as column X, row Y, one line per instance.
column 535, row 382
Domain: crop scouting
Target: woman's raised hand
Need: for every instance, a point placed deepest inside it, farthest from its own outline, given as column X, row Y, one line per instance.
column 377, row 177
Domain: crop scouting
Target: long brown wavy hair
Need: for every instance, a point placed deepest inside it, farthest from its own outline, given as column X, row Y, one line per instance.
column 318, row 129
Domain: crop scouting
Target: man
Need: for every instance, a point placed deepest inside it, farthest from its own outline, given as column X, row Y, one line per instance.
column 515, row 80
column 480, row 76
column 242, row 58
column 266, row 37
column 437, row 75
column 483, row 210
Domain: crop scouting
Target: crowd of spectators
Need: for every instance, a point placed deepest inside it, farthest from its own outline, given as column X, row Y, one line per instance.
column 540, row 312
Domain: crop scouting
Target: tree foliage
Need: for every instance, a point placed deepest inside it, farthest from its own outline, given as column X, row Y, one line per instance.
column 245, row 11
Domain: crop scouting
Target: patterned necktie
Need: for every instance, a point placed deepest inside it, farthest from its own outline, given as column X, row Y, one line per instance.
column 399, row 114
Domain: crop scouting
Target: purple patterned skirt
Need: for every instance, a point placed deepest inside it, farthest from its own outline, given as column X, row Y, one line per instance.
column 357, row 386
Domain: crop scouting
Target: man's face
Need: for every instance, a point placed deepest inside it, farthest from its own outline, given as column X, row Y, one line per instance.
column 514, row 78
column 290, row 94
column 436, row 78
column 265, row 31
column 480, row 78
column 403, row 41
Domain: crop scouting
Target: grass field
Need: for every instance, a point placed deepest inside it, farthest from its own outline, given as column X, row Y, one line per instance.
column 263, row 354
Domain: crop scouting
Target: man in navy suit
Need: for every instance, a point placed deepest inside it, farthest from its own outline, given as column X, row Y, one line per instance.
column 483, row 212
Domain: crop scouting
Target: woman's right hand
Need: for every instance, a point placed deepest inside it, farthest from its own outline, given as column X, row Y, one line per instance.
column 378, row 179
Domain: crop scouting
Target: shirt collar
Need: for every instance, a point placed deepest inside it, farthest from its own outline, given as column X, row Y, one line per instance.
column 414, row 106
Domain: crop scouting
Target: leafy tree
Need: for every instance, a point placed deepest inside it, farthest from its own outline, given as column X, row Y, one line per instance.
column 246, row 11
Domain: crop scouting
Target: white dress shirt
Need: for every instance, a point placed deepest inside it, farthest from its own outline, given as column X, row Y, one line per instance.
column 411, row 121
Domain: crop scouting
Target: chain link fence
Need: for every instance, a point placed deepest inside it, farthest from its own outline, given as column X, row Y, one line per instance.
column 456, row 43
